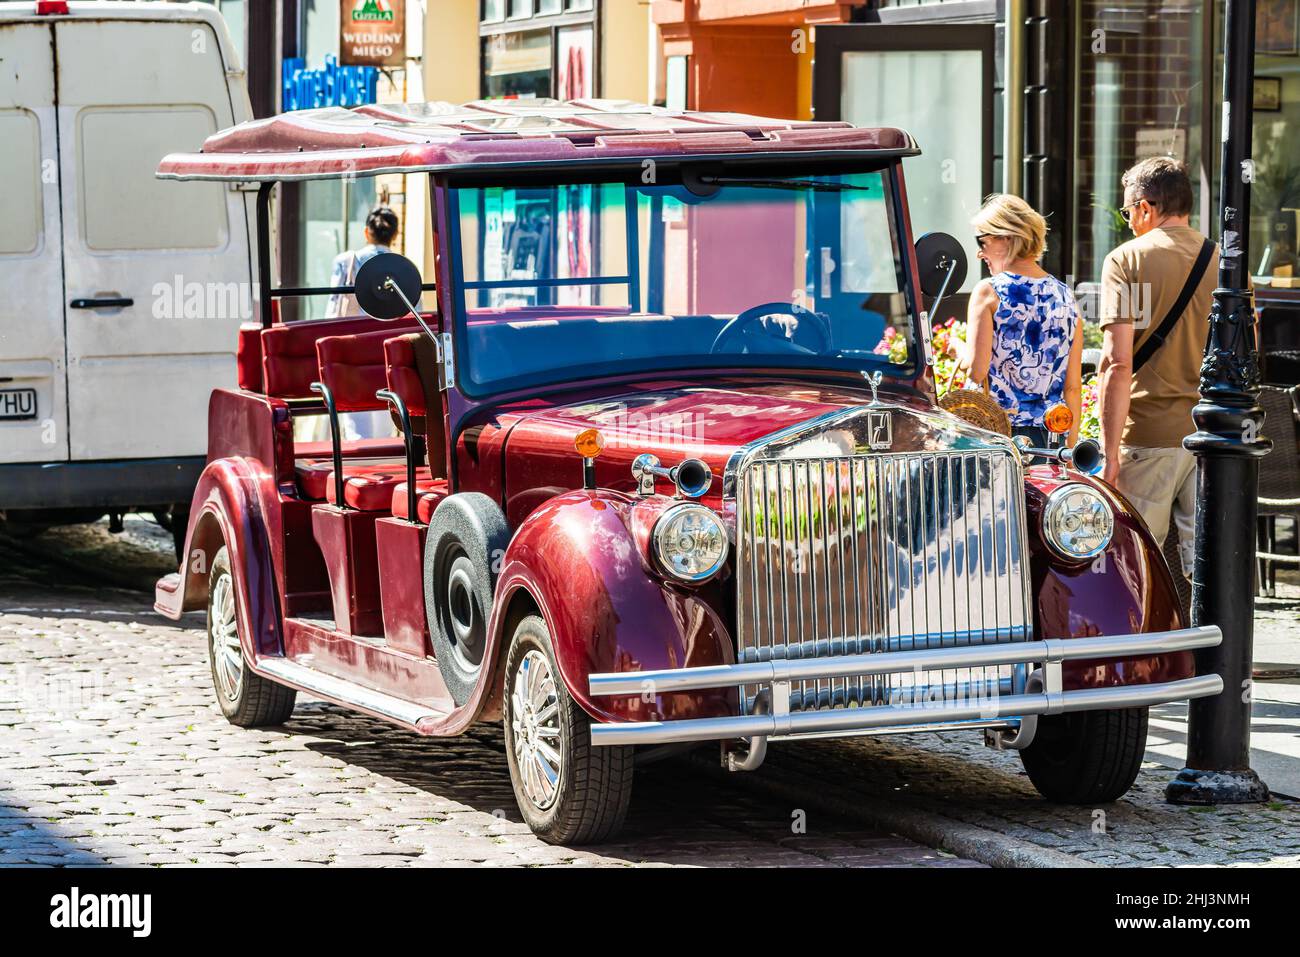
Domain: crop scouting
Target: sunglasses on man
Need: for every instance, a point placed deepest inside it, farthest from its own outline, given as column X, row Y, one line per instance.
column 1126, row 212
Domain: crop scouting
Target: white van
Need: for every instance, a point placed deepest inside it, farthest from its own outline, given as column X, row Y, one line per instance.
column 109, row 347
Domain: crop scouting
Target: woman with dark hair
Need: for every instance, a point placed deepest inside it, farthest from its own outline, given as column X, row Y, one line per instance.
column 381, row 230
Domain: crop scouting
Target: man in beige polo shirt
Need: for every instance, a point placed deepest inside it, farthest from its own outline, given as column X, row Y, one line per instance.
column 1149, row 383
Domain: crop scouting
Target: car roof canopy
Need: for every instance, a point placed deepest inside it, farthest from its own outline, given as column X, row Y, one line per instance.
column 406, row 137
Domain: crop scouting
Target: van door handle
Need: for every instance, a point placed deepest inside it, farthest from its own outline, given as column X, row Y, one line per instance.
column 101, row 303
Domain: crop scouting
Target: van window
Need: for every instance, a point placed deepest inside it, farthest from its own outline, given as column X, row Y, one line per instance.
column 20, row 173
column 123, row 205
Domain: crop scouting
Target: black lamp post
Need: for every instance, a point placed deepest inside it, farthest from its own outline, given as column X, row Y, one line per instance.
column 1228, row 444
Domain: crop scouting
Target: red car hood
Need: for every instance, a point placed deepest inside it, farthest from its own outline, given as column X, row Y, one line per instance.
column 674, row 422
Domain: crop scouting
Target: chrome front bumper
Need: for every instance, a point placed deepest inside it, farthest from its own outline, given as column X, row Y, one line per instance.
column 776, row 676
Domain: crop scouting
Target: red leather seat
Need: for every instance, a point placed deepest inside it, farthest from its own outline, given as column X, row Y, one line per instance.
column 429, row 492
column 369, row 490
column 367, row 486
column 290, row 362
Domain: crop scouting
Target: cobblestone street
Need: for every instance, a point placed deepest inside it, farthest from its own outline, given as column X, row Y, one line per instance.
column 112, row 751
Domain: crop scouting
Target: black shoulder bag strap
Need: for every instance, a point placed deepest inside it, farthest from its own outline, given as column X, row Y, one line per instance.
column 1157, row 338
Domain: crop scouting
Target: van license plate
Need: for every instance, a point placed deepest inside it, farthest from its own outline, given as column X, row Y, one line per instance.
column 17, row 403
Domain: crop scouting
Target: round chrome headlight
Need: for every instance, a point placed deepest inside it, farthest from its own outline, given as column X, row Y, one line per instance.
column 690, row 542
column 1077, row 522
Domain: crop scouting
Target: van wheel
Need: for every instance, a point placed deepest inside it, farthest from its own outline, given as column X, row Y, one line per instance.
column 568, row 791
column 1087, row 757
column 246, row 699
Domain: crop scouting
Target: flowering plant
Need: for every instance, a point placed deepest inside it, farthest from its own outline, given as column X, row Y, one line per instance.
column 1089, row 417
column 947, row 374
column 893, row 345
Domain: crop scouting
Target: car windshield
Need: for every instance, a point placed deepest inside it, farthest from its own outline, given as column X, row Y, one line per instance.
column 728, row 271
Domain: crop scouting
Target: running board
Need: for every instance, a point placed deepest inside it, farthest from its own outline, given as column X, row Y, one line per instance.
column 349, row 694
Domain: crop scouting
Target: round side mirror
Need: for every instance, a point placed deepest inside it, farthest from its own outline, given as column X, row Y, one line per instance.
column 374, row 293
column 936, row 254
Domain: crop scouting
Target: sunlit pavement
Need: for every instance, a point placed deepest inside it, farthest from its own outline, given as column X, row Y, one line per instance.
column 1275, row 724
column 112, row 751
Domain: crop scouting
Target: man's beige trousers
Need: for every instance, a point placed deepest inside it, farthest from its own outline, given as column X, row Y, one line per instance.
column 1162, row 483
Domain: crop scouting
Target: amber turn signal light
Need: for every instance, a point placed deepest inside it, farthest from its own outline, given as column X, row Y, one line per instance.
column 588, row 443
column 1058, row 419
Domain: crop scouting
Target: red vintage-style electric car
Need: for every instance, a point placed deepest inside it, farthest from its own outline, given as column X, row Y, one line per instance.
column 657, row 476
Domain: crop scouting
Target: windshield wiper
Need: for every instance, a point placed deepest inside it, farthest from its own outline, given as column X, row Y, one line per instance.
column 813, row 184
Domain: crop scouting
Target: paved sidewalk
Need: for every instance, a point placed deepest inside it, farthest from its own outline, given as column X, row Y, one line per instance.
column 1275, row 727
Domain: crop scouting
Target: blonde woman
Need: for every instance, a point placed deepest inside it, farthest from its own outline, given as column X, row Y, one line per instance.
column 1023, row 331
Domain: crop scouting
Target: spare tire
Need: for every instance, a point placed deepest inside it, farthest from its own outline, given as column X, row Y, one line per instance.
column 466, row 540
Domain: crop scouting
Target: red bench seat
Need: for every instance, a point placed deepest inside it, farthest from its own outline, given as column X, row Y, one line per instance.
column 368, row 486
column 429, row 492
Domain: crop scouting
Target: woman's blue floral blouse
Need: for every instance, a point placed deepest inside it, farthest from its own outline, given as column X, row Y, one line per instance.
column 1033, row 328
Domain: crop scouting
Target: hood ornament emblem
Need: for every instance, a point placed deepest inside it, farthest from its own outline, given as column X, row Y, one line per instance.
column 873, row 380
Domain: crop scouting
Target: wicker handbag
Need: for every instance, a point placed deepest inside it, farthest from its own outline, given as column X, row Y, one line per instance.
column 977, row 407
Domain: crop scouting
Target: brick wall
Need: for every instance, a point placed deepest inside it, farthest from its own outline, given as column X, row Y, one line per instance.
column 1138, row 60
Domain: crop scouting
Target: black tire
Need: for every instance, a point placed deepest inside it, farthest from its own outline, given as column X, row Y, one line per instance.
column 466, row 540
column 594, row 786
column 254, row 702
column 1087, row 757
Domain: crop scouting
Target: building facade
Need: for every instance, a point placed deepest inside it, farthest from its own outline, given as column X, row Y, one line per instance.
column 454, row 50
column 1050, row 99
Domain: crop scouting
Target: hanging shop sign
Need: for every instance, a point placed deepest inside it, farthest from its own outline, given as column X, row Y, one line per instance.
column 335, row 85
column 372, row 32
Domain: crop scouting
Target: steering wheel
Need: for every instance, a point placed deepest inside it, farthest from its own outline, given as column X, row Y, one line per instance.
column 738, row 329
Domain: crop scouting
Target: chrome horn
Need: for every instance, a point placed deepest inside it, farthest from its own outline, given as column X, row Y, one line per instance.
column 692, row 477
column 1085, row 457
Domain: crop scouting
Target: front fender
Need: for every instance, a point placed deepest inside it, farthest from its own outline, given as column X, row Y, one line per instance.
column 578, row 559
column 1128, row 589
column 227, row 510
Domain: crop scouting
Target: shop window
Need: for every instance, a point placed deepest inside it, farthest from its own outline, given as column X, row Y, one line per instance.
column 937, row 96
column 676, row 89
column 517, row 65
column 1142, row 82
column 575, row 62
column 1275, row 194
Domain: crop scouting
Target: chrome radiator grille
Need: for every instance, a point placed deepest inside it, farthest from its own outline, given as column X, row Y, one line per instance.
column 882, row 552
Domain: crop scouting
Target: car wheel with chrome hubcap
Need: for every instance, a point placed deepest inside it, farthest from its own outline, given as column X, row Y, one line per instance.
column 568, row 791
column 246, row 699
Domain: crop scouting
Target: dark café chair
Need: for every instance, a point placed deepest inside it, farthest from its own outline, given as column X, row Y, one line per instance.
column 1279, row 483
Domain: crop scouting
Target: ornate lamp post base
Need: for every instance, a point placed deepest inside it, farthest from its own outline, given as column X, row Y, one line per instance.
column 1228, row 444
column 1191, row 786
